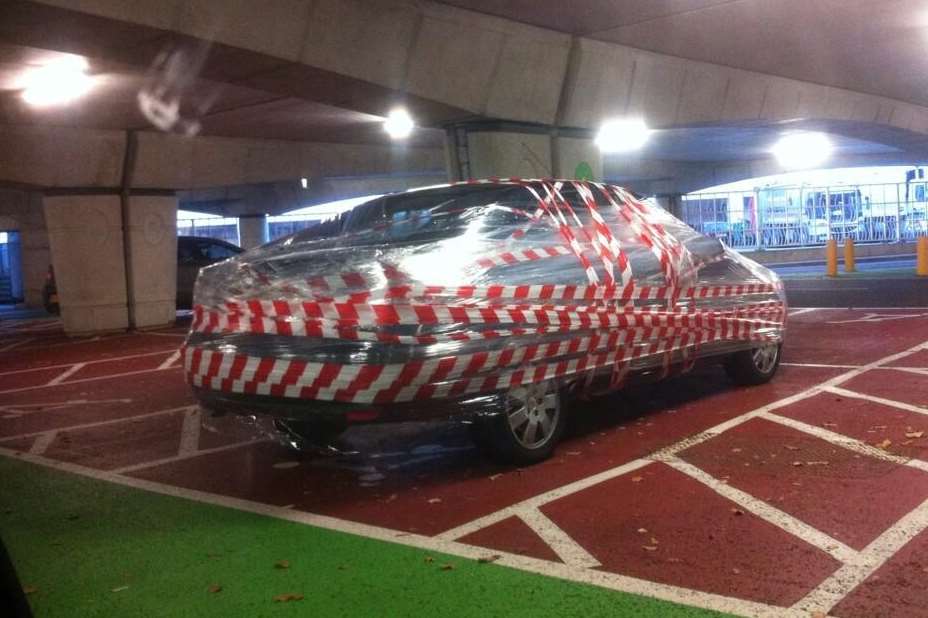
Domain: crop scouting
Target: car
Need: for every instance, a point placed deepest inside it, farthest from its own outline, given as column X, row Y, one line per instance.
column 193, row 253
column 496, row 303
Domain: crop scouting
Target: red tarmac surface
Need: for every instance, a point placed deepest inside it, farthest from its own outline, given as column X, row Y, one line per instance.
column 810, row 492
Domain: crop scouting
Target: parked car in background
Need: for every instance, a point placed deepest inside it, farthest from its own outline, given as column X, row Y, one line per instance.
column 193, row 253
column 494, row 302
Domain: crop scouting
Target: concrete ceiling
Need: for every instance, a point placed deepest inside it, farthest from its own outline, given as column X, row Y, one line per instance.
column 873, row 46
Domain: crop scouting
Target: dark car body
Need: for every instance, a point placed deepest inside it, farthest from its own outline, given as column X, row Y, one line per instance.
column 455, row 299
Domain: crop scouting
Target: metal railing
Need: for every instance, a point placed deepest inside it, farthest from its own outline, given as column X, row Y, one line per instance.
column 222, row 228
column 803, row 216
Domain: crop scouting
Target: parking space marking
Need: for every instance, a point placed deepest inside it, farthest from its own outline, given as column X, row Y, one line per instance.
column 67, row 373
column 113, row 421
column 846, row 442
column 107, row 359
column 42, row 442
column 93, row 379
column 15, row 344
column 831, row 591
column 567, row 549
column 833, row 547
column 886, row 402
column 188, row 455
column 822, row 366
column 612, row 581
column 918, row 370
column 190, row 432
column 170, row 360
column 796, row 312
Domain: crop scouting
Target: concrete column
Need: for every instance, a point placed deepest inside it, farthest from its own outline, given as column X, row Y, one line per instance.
column 252, row 230
column 85, row 236
column 153, row 257
column 86, row 240
column 529, row 155
column 671, row 203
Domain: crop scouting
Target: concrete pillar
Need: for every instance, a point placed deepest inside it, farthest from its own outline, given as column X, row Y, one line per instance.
column 252, row 230
column 672, row 203
column 527, row 155
column 153, row 257
column 86, row 240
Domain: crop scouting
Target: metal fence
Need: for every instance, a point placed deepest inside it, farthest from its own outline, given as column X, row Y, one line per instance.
column 799, row 216
column 224, row 228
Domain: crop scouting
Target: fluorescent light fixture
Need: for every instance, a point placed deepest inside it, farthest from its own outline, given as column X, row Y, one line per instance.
column 56, row 82
column 398, row 124
column 802, row 150
column 622, row 135
column 304, row 182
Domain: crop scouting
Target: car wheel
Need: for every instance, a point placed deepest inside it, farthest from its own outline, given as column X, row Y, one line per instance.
column 755, row 366
column 529, row 428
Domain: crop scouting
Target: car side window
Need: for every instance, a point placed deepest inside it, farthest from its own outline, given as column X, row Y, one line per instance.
column 215, row 252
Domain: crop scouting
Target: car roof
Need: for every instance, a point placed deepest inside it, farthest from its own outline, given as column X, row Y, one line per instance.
column 218, row 241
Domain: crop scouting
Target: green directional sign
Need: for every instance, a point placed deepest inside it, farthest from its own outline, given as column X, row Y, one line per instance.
column 583, row 171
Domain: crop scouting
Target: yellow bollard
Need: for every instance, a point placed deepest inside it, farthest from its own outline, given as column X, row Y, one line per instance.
column 921, row 262
column 849, row 264
column 831, row 258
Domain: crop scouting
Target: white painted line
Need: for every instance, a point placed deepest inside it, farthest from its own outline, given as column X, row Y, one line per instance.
column 567, row 549
column 541, row 499
column 42, row 442
column 164, row 334
column 190, row 432
column 89, row 362
column 886, row 402
column 170, row 360
column 822, row 366
column 833, row 547
column 15, row 344
column 66, row 374
column 801, row 311
column 664, row 592
column 179, row 457
column 916, row 370
column 831, row 591
column 846, row 442
column 93, row 379
column 113, row 421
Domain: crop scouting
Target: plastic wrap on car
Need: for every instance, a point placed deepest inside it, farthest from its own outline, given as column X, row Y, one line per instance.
column 462, row 291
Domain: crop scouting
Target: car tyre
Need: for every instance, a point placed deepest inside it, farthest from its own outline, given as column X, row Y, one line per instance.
column 528, row 429
column 755, row 366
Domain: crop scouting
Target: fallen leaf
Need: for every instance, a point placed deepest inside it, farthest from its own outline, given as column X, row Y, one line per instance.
column 637, row 479
column 914, row 434
column 447, row 567
column 654, row 541
column 736, row 450
column 819, row 615
column 573, row 453
column 488, row 559
column 790, row 447
column 282, row 564
column 391, row 498
column 434, row 500
column 642, row 530
column 885, row 444
column 120, row 589
column 30, row 589
column 816, row 463
column 429, row 560
column 287, row 597
column 797, row 463
column 879, row 427
column 214, row 588
column 649, row 547
column 674, row 559
column 907, row 442
column 493, row 477
column 736, row 570
column 737, row 511
column 829, row 424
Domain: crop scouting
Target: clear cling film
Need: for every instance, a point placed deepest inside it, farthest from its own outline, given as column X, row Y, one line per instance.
column 442, row 300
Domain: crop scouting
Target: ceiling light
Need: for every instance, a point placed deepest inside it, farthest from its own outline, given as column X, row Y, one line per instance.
column 398, row 124
column 802, row 150
column 304, row 182
column 57, row 82
column 622, row 135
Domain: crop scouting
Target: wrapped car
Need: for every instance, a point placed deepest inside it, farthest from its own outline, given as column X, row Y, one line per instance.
column 491, row 301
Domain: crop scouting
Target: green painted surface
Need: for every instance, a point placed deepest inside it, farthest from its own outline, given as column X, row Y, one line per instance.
column 92, row 548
